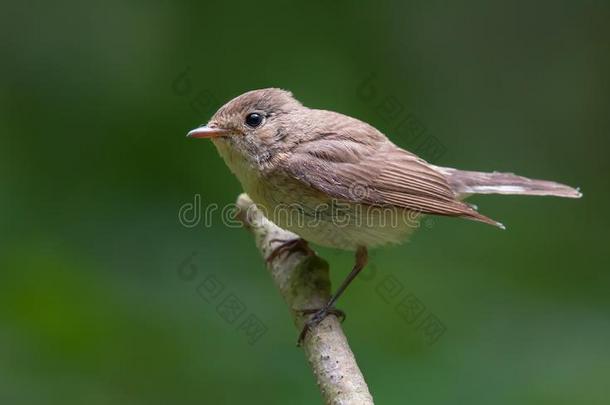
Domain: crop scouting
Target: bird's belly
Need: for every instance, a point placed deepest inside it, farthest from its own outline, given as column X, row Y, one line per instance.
column 352, row 235
column 330, row 222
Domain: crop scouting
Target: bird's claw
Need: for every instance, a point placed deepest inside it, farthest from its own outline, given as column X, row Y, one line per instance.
column 288, row 246
column 318, row 316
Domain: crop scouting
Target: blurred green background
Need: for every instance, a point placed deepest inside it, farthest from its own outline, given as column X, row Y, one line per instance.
column 95, row 166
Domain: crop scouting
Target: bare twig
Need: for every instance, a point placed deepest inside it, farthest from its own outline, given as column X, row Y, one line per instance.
column 304, row 283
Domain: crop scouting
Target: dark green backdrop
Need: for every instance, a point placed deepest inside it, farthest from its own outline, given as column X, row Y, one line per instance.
column 95, row 100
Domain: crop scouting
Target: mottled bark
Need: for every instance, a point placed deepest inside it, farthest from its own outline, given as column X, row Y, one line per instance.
column 303, row 282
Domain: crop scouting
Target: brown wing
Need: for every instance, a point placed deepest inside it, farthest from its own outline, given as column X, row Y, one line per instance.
column 350, row 160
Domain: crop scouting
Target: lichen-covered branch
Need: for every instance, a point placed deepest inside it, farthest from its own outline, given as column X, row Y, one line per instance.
column 304, row 283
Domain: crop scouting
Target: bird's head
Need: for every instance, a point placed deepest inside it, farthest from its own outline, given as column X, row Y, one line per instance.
column 254, row 126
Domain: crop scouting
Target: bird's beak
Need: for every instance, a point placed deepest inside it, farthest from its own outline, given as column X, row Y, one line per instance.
column 207, row 132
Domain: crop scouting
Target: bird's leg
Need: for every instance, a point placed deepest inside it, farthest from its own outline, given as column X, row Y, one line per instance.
column 320, row 314
column 288, row 246
column 329, row 311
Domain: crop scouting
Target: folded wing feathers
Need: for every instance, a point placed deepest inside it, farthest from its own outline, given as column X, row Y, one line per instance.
column 390, row 176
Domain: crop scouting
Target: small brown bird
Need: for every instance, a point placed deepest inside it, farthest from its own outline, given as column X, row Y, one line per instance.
column 338, row 182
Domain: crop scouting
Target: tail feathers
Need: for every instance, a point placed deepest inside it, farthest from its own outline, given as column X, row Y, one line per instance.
column 467, row 182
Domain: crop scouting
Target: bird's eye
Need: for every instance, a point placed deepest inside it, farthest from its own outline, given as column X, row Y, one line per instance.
column 254, row 120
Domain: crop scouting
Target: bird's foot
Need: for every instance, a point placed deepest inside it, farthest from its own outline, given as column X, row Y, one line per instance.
column 288, row 246
column 318, row 316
